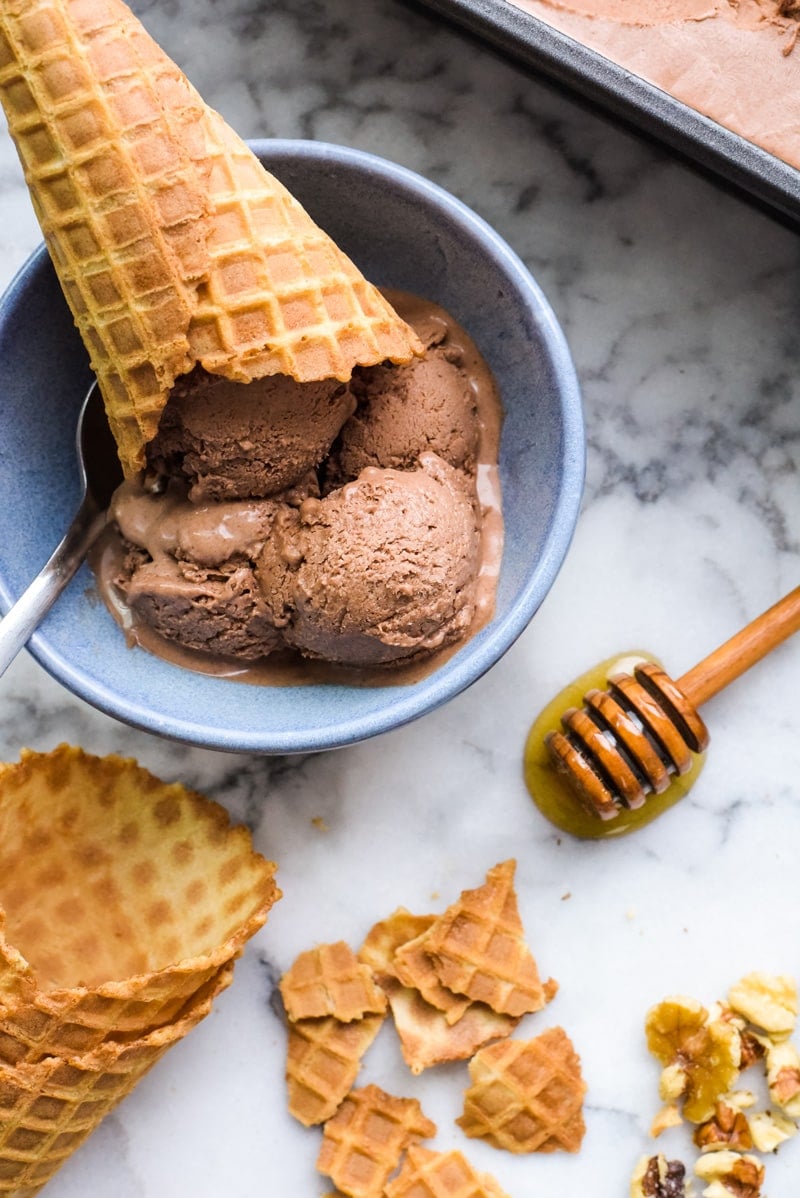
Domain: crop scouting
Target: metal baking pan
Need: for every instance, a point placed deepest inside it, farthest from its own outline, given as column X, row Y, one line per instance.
column 726, row 155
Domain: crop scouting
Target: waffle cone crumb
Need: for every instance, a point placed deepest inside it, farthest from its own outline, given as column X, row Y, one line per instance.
column 322, row 1062
column 427, row 1174
column 478, row 948
column 428, row 1034
column 330, row 980
column 427, row 1039
column 526, row 1095
column 363, row 1143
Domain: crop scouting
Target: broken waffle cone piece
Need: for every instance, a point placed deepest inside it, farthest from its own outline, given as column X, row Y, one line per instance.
column 363, row 1143
column 426, row 1037
column 478, row 948
column 394, row 949
column 323, row 1058
column 427, row 1174
column 385, row 937
column 122, row 896
column 526, row 1095
column 330, row 980
column 173, row 246
column 48, row 1108
column 416, row 968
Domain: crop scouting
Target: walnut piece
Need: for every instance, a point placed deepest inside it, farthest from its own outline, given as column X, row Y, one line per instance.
column 741, row 1099
column 767, row 1000
column 668, row 1116
column 673, row 1083
column 679, row 1033
column 727, row 1129
column 656, row 1177
column 730, row 1173
column 752, row 1049
column 770, row 1129
column 783, row 1077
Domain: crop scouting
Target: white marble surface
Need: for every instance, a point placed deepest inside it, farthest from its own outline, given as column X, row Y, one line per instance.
column 681, row 305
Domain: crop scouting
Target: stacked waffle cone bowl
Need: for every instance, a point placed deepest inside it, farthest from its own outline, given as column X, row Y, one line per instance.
column 125, row 902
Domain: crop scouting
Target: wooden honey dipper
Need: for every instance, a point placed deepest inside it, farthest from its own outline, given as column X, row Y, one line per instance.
column 630, row 740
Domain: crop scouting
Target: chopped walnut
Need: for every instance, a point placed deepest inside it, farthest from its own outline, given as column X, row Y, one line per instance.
column 668, row 1116
column 770, row 1129
column 656, row 1177
column 673, row 1083
column 752, row 1049
column 766, row 1000
column 727, row 1129
column 783, row 1077
column 675, row 1029
column 721, row 1010
column 741, row 1099
column 679, row 1033
column 730, row 1173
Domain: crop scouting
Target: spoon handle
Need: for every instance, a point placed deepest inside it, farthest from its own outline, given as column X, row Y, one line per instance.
column 36, row 600
column 743, row 650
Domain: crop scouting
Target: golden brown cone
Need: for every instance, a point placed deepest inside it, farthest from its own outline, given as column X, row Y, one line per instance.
column 173, row 245
column 122, row 895
column 47, row 1109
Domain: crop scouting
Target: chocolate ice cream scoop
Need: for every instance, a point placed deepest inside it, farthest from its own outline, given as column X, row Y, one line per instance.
column 246, row 440
column 427, row 406
column 219, row 612
column 188, row 574
column 379, row 571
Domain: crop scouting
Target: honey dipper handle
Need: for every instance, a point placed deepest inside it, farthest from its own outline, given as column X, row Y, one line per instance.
column 756, row 640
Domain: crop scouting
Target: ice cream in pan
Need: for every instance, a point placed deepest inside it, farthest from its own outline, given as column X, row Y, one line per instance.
column 734, row 61
column 302, row 457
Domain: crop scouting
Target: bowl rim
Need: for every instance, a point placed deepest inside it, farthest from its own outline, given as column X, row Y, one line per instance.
column 479, row 655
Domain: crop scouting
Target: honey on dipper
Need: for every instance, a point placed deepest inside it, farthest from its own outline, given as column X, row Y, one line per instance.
column 624, row 742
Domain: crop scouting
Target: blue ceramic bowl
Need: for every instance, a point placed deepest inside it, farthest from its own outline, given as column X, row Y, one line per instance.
column 403, row 232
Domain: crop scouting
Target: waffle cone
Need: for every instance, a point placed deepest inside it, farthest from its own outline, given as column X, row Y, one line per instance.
column 48, row 1108
column 173, row 245
column 122, row 896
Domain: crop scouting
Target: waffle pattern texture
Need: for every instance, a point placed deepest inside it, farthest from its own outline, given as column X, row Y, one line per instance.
column 478, row 948
column 49, row 1108
column 330, row 980
column 124, row 902
column 363, row 1143
column 527, row 1095
column 427, row 1174
column 323, row 1058
column 173, row 245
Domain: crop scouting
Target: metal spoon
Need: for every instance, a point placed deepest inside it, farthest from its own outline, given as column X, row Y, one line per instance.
column 100, row 474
